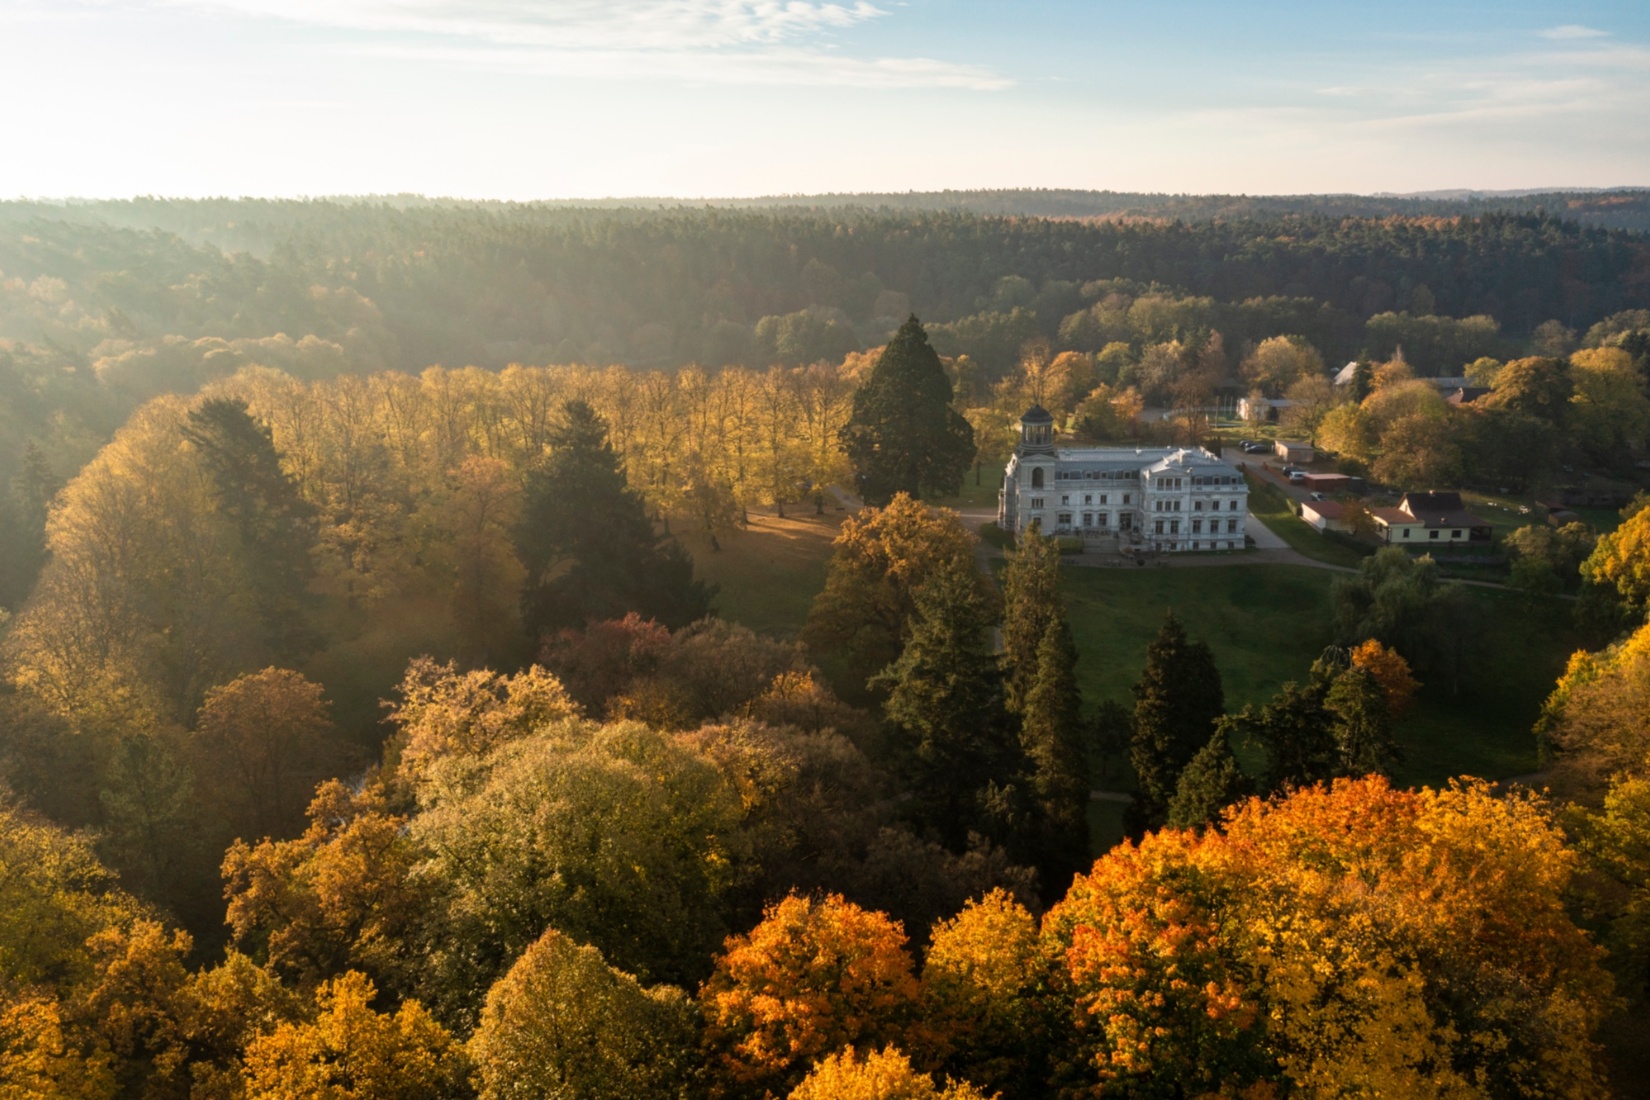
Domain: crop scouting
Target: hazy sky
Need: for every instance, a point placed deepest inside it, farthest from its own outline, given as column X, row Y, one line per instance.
column 584, row 98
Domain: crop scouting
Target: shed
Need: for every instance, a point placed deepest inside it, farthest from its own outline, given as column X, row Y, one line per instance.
column 1324, row 515
column 1293, row 450
column 1328, row 483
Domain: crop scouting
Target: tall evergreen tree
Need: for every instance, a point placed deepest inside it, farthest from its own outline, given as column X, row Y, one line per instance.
column 1031, row 602
column 957, row 748
column 1210, row 783
column 1177, row 702
column 904, row 435
column 589, row 549
column 276, row 525
column 1363, row 723
column 23, row 525
column 1051, row 735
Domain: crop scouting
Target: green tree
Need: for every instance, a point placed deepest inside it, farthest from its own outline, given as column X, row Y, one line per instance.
column 904, row 436
column 945, row 699
column 588, row 546
column 1362, row 723
column 1210, row 783
column 1177, row 701
column 1051, row 736
column 562, row 1023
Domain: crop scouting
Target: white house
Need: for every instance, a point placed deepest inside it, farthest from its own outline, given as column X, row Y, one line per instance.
column 1164, row 498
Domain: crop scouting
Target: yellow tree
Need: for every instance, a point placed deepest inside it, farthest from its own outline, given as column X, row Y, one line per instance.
column 881, row 1075
column 352, row 1052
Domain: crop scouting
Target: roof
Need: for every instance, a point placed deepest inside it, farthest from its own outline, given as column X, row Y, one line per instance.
column 1394, row 517
column 1440, row 510
column 1328, row 509
column 1466, row 395
column 1037, row 415
column 1346, row 374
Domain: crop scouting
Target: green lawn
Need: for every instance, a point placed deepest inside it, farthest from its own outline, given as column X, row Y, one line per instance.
column 1266, row 625
column 983, row 495
column 1269, row 504
column 769, row 572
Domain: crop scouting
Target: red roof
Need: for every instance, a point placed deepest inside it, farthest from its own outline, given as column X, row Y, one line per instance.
column 1328, row 509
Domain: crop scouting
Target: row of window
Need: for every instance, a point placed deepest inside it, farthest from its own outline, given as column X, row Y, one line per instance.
column 1197, row 527
column 1096, row 475
column 1455, row 533
column 1088, row 498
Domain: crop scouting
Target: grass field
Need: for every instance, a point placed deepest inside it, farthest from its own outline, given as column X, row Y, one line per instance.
column 769, row 572
column 1266, row 625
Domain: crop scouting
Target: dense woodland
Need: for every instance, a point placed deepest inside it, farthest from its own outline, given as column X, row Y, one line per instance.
column 367, row 732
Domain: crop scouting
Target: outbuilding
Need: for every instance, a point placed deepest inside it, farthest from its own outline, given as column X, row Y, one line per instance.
column 1293, row 450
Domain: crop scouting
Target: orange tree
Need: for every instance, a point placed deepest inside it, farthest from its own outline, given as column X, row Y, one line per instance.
column 817, row 975
column 1346, row 938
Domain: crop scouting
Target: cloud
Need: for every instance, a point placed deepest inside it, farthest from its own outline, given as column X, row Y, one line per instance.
column 696, row 41
column 1572, row 30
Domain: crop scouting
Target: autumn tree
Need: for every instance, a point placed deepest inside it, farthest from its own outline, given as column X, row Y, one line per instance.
column 881, row 558
column 261, row 744
column 881, row 1075
column 588, row 547
column 1280, row 361
column 985, row 995
column 1392, row 671
column 1621, row 558
column 1350, row 937
column 1596, row 722
column 1177, row 701
column 352, row 1052
column 563, row 1023
column 904, row 436
column 817, row 975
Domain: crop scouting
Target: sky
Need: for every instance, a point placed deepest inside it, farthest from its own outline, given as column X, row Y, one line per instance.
column 547, row 99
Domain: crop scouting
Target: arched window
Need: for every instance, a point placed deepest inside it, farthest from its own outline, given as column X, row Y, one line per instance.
column 1036, row 477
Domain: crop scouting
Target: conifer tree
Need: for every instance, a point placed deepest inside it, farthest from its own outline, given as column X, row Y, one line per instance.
column 276, row 525
column 587, row 544
column 1363, row 723
column 1031, row 602
column 1210, row 783
column 1177, row 701
column 1051, row 734
column 946, row 702
column 904, row 435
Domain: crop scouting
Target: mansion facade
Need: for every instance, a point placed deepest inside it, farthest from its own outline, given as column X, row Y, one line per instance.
column 1158, row 498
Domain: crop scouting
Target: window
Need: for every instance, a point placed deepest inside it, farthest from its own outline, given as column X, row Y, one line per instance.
column 1063, row 519
column 1065, row 498
column 1432, row 534
column 1231, row 527
column 1036, row 502
column 1196, row 545
column 1104, row 520
column 1197, row 527
column 1160, row 527
column 1125, row 498
column 1455, row 534
column 1088, row 519
column 1102, row 498
column 1036, row 477
column 1088, row 498
column 1197, row 505
column 1406, row 532
column 1174, row 527
column 1177, row 505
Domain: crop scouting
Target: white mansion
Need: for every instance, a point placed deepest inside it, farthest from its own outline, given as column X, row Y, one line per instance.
column 1162, row 498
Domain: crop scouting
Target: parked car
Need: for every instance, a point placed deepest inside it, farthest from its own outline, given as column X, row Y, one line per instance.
column 1319, row 496
column 1255, row 448
column 1298, row 476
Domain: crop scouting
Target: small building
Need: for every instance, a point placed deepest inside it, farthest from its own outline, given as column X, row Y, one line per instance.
column 1426, row 518
column 1324, row 515
column 1262, row 410
column 1293, row 450
column 1328, row 483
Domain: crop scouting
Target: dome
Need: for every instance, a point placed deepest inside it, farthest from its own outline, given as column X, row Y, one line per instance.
column 1037, row 415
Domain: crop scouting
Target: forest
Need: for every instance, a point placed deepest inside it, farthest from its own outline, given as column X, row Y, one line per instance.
column 367, row 728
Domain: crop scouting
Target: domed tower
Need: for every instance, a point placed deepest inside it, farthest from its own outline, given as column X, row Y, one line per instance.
column 1030, row 473
column 1036, row 432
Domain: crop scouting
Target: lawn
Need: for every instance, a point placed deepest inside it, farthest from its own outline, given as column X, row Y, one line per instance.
column 1266, row 625
column 769, row 572
column 1268, row 503
column 983, row 495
